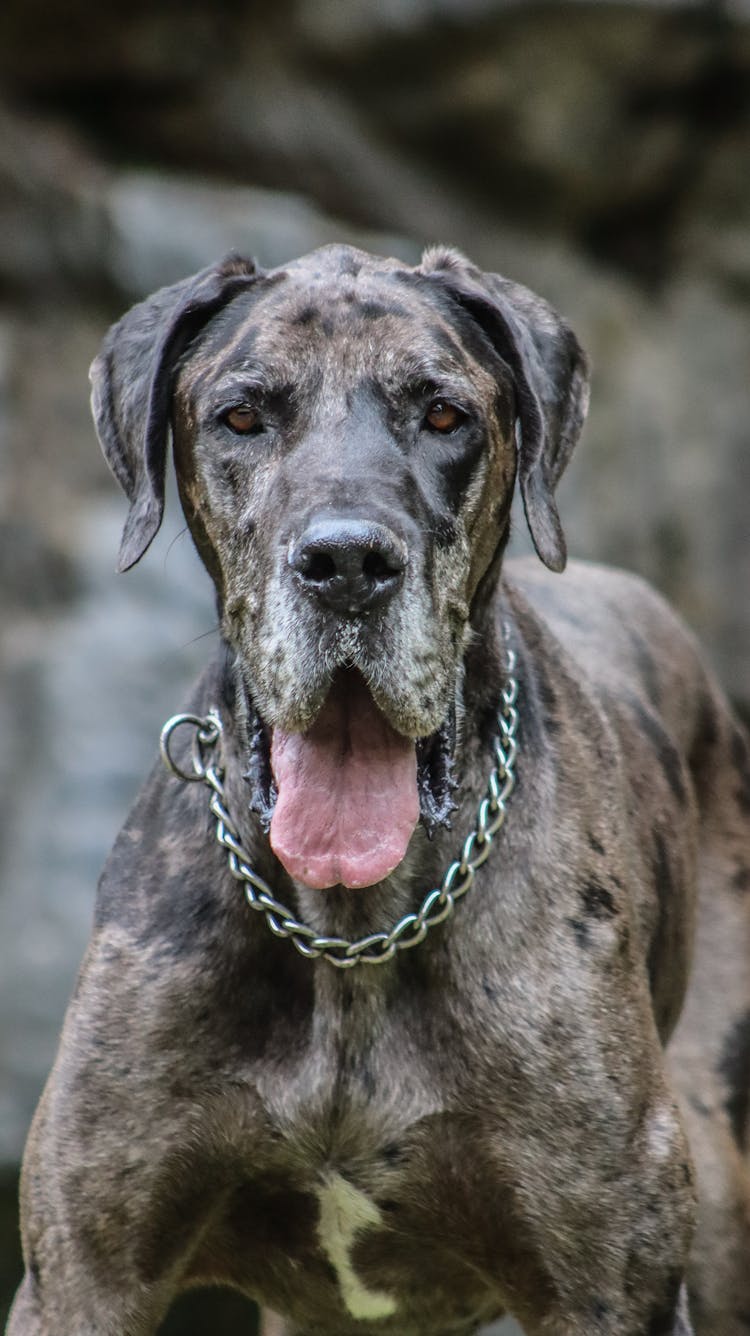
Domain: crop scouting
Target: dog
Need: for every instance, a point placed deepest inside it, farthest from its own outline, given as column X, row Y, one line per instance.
column 451, row 1101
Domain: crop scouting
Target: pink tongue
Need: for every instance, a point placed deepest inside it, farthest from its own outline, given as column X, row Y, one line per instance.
column 348, row 800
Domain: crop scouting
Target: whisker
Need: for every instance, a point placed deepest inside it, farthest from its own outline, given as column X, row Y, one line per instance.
column 203, row 636
column 180, row 534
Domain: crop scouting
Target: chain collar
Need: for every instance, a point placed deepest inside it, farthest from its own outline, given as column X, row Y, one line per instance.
column 437, row 905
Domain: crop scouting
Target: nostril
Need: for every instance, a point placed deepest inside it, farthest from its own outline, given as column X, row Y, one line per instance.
column 318, row 567
column 376, row 567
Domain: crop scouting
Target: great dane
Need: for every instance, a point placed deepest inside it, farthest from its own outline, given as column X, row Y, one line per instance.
column 494, row 826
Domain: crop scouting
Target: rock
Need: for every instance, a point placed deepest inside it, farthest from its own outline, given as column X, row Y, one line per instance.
column 49, row 220
column 163, row 227
column 73, row 226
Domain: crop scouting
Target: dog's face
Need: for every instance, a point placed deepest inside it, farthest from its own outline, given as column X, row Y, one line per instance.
column 349, row 463
column 347, row 433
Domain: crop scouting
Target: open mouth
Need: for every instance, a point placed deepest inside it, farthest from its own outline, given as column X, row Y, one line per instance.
column 341, row 800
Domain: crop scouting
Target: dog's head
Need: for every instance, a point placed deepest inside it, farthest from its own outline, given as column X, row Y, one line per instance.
column 347, row 433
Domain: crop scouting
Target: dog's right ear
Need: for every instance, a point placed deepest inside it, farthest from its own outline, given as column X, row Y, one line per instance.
column 132, row 380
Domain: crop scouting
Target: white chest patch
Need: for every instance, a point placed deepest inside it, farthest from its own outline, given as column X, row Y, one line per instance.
column 344, row 1213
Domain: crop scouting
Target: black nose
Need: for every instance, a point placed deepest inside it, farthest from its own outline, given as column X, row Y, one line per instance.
column 349, row 564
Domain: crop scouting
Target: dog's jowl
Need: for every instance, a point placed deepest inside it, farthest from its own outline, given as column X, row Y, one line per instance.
column 451, row 1019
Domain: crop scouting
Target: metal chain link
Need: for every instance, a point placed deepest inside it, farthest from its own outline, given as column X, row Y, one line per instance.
column 437, row 905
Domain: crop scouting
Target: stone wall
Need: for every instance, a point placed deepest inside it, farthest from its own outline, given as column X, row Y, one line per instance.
column 598, row 152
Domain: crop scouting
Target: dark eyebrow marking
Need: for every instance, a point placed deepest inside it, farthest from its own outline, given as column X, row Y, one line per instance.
column 306, row 315
column 444, row 363
column 375, row 310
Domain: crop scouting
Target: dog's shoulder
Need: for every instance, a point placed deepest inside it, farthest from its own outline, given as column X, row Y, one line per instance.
column 622, row 639
column 590, row 602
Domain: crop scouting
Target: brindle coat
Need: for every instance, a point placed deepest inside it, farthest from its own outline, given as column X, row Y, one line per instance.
column 488, row 1122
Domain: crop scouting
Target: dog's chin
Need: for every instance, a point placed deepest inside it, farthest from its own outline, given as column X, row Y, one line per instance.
column 350, row 783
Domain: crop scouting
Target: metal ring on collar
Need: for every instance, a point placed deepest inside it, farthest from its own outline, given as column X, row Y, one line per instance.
column 207, row 732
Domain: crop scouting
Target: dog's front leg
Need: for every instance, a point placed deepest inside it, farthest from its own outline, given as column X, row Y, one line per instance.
column 109, row 1228
column 75, row 1308
column 82, row 1276
column 26, row 1315
column 88, row 1270
column 669, row 1319
column 122, row 1174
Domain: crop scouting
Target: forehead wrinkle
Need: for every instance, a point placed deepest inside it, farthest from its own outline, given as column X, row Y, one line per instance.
column 388, row 356
column 242, row 332
column 435, row 351
column 207, row 362
column 256, row 300
column 418, row 368
column 415, row 343
column 272, row 357
column 441, row 360
column 266, row 295
column 249, row 376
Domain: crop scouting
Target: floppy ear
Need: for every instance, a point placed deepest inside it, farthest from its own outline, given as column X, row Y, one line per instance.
column 132, row 380
column 550, row 371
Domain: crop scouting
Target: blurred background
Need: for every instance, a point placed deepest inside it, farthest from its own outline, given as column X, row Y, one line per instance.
column 598, row 152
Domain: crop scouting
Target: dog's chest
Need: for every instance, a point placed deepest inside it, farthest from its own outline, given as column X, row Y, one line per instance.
column 377, row 1200
column 376, row 1195
column 402, row 1233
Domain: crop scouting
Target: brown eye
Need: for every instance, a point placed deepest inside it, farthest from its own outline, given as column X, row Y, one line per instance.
column 443, row 416
column 243, row 420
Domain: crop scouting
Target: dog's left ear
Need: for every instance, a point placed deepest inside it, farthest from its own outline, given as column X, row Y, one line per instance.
column 132, row 381
column 550, row 371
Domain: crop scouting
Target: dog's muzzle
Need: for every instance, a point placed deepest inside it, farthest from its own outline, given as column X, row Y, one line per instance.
column 343, row 797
